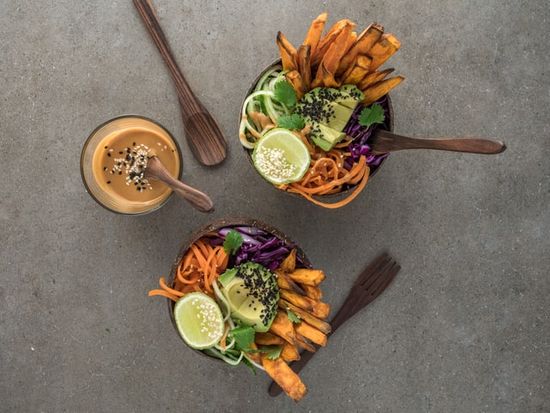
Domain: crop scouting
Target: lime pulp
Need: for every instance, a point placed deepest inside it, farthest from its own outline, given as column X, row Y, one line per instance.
column 281, row 157
column 199, row 320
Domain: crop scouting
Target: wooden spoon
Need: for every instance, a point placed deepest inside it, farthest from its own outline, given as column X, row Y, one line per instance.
column 383, row 141
column 155, row 169
column 203, row 133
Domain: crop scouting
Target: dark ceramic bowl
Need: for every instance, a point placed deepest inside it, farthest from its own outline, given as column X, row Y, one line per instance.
column 214, row 227
column 390, row 123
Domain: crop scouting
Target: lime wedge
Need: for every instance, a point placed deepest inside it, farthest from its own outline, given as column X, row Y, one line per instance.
column 281, row 157
column 199, row 320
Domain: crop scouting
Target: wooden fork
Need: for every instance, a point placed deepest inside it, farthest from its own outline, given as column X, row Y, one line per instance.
column 369, row 285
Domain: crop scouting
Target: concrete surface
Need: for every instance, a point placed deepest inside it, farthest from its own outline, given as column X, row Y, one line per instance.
column 465, row 326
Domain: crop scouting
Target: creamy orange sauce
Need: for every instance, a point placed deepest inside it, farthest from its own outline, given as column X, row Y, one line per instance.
column 116, row 164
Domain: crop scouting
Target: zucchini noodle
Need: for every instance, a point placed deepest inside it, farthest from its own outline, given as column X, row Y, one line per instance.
column 262, row 100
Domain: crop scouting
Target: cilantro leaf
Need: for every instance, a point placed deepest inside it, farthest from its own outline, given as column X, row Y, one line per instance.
column 227, row 276
column 244, row 337
column 293, row 121
column 272, row 352
column 233, row 241
column 371, row 115
column 292, row 316
column 285, row 93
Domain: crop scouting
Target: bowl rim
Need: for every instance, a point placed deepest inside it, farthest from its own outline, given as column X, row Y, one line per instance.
column 87, row 142
column 213, row 226
column 249, row 152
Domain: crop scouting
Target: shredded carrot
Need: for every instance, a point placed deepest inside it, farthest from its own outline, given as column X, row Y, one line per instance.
column 328, row 175
column 163, row 293
column 165, row 287
column 199, row 268
column 363, row 177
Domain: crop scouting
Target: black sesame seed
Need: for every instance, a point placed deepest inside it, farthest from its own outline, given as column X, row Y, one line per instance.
column 109, row 154
column 108, row 182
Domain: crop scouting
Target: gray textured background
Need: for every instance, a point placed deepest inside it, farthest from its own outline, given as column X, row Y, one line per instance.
column 465, row 326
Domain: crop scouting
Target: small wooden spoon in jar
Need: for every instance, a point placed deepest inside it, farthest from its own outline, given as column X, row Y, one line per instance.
column 199, row 200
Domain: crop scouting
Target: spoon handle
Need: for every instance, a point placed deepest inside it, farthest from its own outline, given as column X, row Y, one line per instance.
column 199, row 200
column 189, row 102
column 385, row 141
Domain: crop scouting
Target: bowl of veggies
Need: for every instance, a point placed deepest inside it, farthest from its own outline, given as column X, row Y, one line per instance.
column 240, row 291
column 307, row 119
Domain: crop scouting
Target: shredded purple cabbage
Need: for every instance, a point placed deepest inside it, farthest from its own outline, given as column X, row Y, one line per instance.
column 361, row 135
column 259, row 246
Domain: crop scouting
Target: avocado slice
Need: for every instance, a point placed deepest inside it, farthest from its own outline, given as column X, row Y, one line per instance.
column 325, row 137
column 327, row 111
column 352, row 92
column 253, row 295
column 340, row 115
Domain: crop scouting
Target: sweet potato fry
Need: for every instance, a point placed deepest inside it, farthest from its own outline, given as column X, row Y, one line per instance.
column 374, row 77
column 283, row 327
column 315, row 32
column 254, row 356
column 329, row 38
column 268, row 339
column 284, row 281
column 307, row 276
column 305, row 316
column 314, row 293
column 349, row 69
column 290, row 353
column 362, row 45
column 324, row 78
column 287, row 51
column 304, row 344
column 331, row 59
column 311, row 333
column 297, row 83
column 303, row 62
column 383, row 50
column 316, row 308
column 283, row 375
column 360, row 70
column 376, row 91
column 289, row 263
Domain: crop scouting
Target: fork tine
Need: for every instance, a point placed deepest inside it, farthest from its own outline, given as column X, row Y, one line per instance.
column 379, row 271
column 363, row 291
column 370, row 268
column 389, row 279
column 373, row 281
column 383, row 283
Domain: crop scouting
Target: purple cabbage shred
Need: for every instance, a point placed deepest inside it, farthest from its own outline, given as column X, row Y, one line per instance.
column 361, row 135
column 258, row 246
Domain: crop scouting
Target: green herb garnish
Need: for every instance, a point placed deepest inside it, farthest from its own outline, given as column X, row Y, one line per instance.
column 293, row 121
column 244, row 337
column 292, row 316
column 272, row 352
column 371, row 115
column 285, row 93
column 233, row 241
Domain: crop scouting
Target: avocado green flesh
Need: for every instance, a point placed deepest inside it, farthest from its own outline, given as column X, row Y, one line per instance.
column 245, row 307
column 327, row 111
